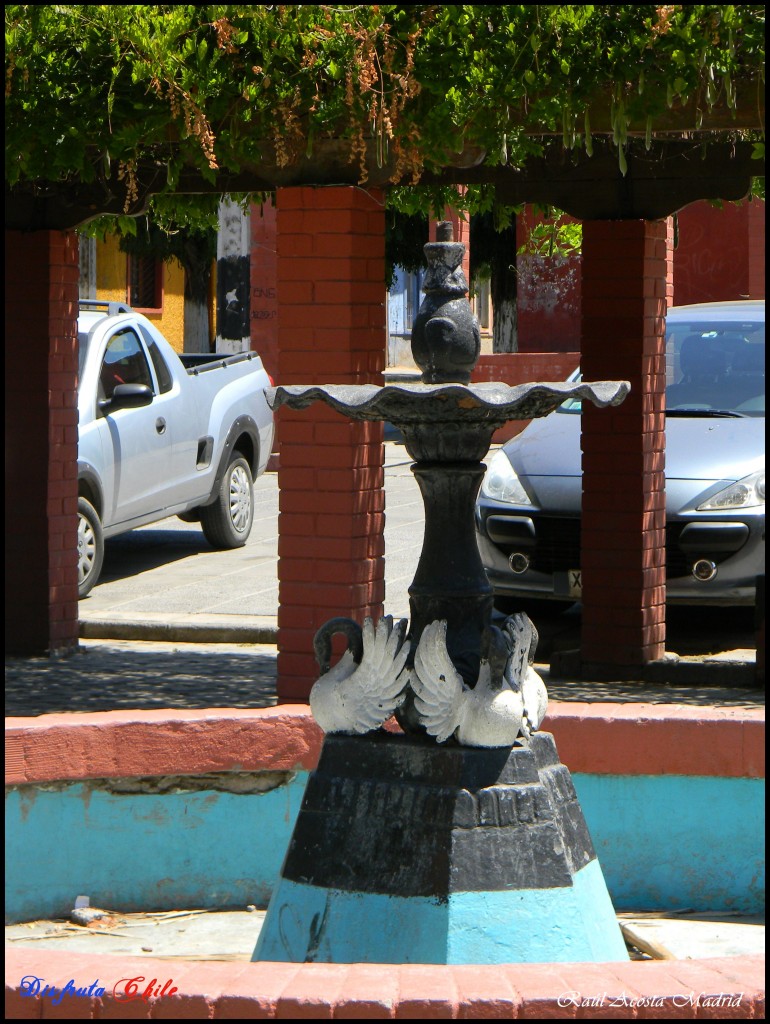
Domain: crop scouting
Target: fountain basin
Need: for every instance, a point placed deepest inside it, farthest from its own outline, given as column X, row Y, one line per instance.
column 148, row 809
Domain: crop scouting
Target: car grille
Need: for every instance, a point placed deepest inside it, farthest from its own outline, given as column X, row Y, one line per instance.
column 557, row 547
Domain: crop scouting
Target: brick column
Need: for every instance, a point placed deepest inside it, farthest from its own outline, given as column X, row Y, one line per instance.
column 331, row 329
column 41, row 302
column 626, row 278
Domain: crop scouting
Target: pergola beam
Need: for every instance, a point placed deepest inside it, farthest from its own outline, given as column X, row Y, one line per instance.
column 659, row 180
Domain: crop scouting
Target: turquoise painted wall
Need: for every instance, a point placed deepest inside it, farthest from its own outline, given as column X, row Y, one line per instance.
column 144, row 852
column 678, row 841
column 662, row 841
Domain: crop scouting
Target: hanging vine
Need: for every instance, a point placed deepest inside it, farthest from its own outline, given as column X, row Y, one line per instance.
column 161, row 89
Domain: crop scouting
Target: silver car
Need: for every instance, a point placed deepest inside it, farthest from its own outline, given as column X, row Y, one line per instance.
column 528, row 510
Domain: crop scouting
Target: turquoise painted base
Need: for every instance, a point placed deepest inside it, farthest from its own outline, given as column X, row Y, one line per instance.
column 576, row 924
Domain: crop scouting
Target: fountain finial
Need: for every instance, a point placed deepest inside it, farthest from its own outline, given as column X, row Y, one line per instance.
column 446, row 341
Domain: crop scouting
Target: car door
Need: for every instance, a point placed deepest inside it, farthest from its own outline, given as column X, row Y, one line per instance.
column 137, row 439
column 183, row 408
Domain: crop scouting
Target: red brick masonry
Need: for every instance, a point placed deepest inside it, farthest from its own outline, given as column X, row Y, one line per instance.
column 230, row 991
column 600, row 738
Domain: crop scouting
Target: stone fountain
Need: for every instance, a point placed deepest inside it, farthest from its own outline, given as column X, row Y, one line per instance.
column 458, row 838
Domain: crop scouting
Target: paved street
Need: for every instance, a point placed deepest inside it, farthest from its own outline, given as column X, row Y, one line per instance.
column 167, row 570
column 164, row 587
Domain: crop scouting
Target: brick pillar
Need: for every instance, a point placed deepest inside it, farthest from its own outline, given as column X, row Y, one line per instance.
column 626, row 281
column 331, row 329
column 41, row 429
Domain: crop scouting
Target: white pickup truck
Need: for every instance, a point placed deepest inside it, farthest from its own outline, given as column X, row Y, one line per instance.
column 162, row 434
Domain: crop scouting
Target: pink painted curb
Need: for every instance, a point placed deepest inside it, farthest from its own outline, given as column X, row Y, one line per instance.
column 121, row 744
column 228, row 991
column 609, row 739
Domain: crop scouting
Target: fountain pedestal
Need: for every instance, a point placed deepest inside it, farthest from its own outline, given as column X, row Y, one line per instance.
column 459, row 840
column 406, row 852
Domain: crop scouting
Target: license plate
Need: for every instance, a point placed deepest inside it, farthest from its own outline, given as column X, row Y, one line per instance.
column 569, row 583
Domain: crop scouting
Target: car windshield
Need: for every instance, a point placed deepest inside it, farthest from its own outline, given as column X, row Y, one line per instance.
column 713, row 368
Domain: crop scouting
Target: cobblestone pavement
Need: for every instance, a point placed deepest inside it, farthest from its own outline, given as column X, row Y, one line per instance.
column 137, row 675
column 115, row 675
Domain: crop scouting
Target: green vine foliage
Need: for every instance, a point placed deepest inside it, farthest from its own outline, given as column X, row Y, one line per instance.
column 557, row 235
column 95, row 88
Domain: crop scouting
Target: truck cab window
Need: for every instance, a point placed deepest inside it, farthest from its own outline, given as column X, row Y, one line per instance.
column 162, row 372
column 124, row 363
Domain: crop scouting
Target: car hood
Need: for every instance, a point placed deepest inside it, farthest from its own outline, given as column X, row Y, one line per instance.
column 697, row 448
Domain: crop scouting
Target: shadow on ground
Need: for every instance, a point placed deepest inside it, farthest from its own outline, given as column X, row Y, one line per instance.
column 126, row 675
column 141, row 550
column 111, row 677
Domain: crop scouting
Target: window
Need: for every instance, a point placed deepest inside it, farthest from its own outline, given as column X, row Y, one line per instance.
column 124, row 363
column 145, row 282
column 162, row 372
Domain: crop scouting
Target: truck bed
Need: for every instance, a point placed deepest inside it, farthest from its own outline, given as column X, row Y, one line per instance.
column 199, row 362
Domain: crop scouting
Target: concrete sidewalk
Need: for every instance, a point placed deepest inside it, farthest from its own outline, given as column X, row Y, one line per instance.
column 164, row 583
column 197, row 935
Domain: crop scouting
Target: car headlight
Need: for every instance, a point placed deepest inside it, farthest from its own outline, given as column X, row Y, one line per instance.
column 501, row 483
column 746, row 493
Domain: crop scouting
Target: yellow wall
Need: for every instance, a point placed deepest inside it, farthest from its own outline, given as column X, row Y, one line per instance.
column 111, row 285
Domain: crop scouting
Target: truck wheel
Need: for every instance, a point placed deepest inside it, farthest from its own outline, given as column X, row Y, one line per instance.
column 90, row 547
column 227, row 521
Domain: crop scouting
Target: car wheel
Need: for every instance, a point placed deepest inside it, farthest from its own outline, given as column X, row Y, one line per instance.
column 227, row 521
column 90, row 547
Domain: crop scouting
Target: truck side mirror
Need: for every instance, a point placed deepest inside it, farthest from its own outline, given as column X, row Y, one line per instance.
column 127, row 396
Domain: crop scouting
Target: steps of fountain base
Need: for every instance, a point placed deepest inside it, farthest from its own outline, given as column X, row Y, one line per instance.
column 409, row 852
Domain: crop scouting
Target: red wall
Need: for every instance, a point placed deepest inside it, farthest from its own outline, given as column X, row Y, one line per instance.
column 720, row 256
column 548, row 296
column 719, row 253
column 520, row 368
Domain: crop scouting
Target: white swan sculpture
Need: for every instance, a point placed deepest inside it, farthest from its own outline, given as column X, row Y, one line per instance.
column 509, row 697
column 364, row 688
column 519, row 673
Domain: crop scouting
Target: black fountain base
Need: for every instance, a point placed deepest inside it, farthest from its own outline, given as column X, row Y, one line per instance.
column 405, row 851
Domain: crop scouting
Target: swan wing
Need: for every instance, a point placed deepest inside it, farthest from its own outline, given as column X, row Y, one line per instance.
column 493, row 719
column 327, row 703
column 376, row 688
column 438, row 686
column 518, row 628
column 535, row 698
